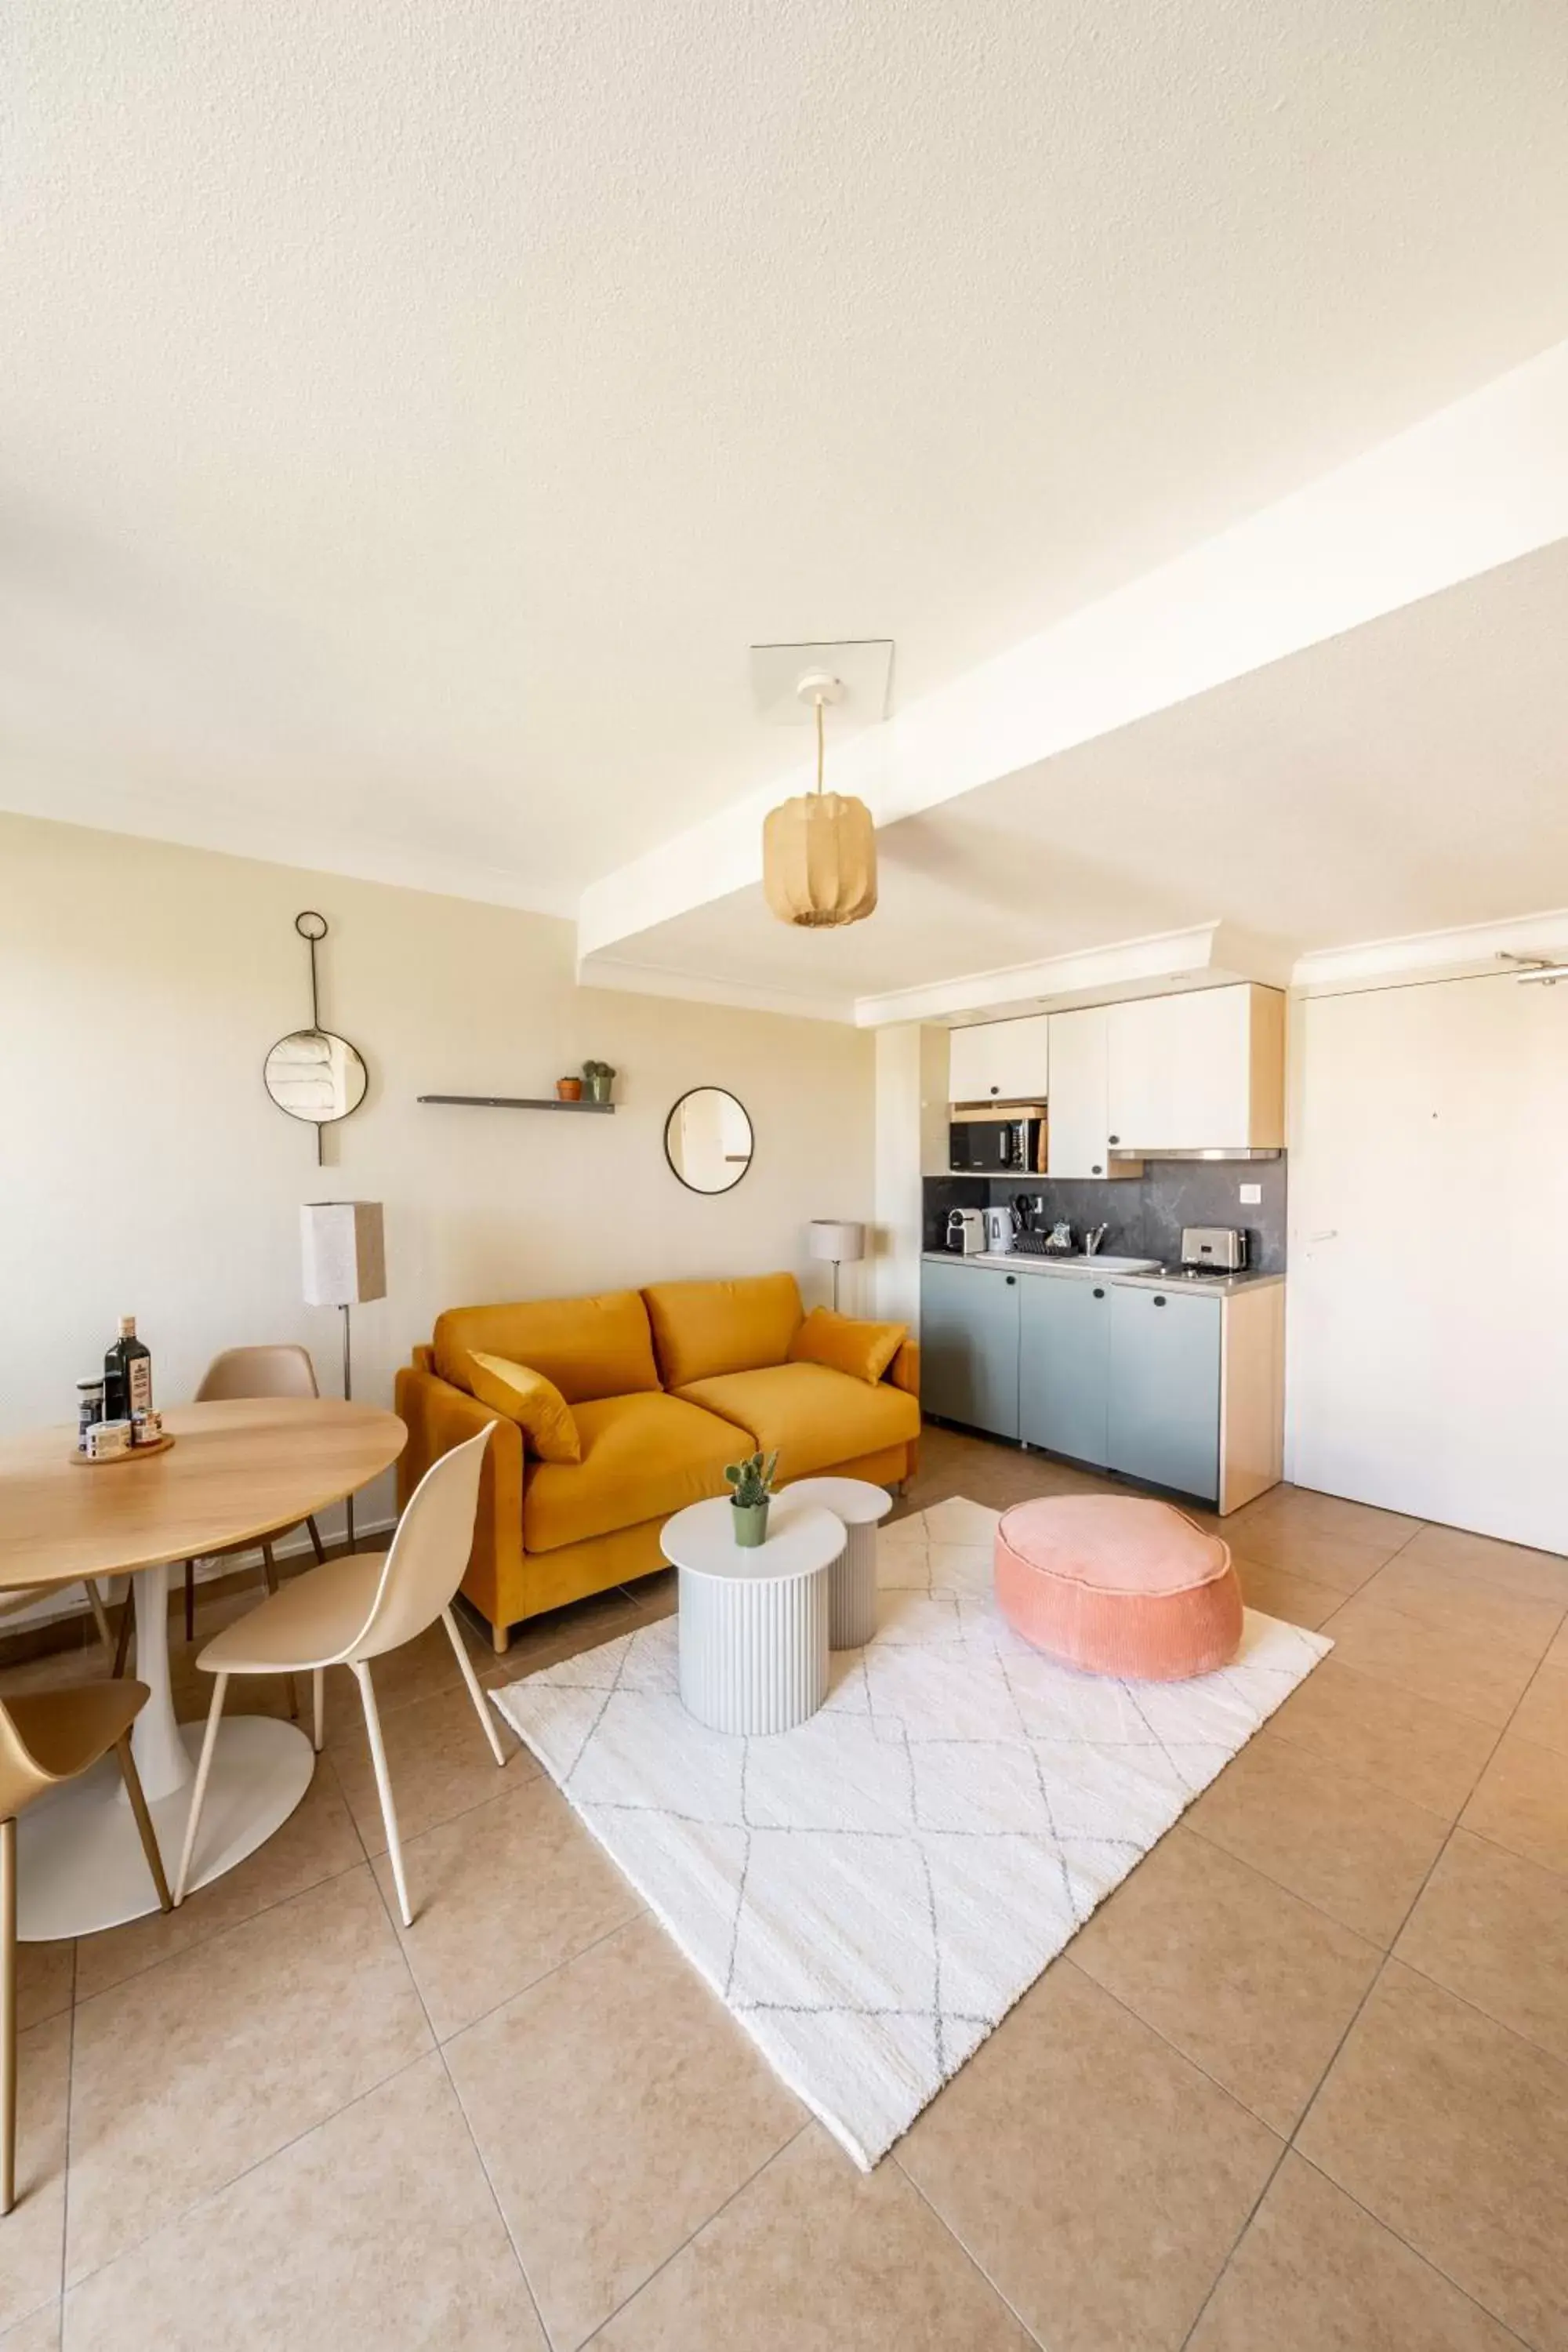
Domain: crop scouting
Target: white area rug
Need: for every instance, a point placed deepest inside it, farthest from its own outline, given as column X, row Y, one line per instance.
column 871, row 1893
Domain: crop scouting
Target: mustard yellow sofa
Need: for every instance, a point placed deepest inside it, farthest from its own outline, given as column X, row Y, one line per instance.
column 666, row 1386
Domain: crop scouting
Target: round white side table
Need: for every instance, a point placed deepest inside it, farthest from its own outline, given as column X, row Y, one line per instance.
column 753, row 1624
column 852, row 1579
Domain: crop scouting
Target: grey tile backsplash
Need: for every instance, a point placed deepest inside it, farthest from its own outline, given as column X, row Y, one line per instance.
column 1144, row 1215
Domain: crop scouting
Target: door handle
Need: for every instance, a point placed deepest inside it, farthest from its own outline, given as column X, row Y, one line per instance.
column 1329, row 1234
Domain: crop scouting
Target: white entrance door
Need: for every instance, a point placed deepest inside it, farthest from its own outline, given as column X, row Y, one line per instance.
column 1428, row 1326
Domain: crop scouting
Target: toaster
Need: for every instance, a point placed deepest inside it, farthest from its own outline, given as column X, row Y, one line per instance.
column 1221, row 1247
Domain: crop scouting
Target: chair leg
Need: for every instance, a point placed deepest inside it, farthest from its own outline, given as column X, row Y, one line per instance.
column 269, row 1570
column 481, row 1706
column 198, row 1797
column 127, row 1626
column 383, row 1788
column 316, row 1546
column 9, row 2015
column 100, row 1614
column 317, row 1707
column 190, row 1601
column 149, row 1835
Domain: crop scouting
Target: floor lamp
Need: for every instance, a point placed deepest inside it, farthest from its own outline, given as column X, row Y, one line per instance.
column 345, row 1266
column 844, row 1244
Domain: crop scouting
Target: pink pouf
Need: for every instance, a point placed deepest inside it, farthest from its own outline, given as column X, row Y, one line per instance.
column 1118, row 1585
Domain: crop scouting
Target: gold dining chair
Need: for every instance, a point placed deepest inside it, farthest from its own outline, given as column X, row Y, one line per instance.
column 352, row 1610
column 47, row 1736
column 282, row 1369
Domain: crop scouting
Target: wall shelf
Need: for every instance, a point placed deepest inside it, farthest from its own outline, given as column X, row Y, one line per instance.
column 516, row 1102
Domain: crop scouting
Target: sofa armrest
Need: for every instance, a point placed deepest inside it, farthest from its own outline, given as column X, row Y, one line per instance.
column 439, row 1416
column 904, row 1371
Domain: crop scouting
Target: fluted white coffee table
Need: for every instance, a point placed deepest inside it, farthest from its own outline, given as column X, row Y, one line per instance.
column 752, row 1626
column 852, row 1579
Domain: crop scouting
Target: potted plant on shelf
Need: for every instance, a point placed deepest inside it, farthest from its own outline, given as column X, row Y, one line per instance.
column 568, row 1089
column 752, row 1480
column 598, row 1078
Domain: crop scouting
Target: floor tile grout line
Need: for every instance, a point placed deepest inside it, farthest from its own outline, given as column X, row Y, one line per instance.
column 1379, row 2223
column 439, row 2050
column 545, row 1975
column 1283, row 1886
column 1312, row 2101
column 210, row 2196
column 261, row 1911
column 967, row 2250
column 1378, row 1975
column 807, row 2123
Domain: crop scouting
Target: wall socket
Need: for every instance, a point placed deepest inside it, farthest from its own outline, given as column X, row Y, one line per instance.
column 1250, row 1195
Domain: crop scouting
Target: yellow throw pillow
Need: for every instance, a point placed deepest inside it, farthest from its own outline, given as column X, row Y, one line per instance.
column 845, row 1344
column 536, row 1404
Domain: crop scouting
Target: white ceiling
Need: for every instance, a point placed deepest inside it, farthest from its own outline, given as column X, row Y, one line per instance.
column 410, row 416
column 1408, row 776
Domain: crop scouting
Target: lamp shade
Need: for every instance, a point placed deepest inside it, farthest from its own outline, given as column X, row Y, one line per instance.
column 819, row 860
column 344, row 1252
column 828, row 1238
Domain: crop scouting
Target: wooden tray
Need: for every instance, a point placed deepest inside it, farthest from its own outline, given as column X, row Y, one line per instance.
column 132, row 1453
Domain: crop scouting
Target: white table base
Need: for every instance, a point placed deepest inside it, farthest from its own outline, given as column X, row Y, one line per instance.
column 754, row 1656
column 81, row 1867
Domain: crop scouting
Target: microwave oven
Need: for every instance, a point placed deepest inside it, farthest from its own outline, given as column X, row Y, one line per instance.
column 993, row 1146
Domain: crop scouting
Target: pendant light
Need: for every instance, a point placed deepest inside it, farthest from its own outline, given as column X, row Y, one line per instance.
column 819, row 850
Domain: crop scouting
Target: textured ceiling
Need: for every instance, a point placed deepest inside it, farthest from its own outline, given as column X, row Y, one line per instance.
column 411, row 414
column 1409, row 776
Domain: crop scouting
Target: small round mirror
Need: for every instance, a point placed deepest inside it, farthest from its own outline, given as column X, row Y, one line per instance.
column 314, row 1075
column 708, row 1140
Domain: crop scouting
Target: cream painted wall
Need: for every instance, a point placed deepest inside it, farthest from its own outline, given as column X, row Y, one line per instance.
column 142, row 1169
column 911, row 1142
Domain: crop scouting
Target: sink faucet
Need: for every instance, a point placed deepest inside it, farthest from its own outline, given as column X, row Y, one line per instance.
column 1093, row 1238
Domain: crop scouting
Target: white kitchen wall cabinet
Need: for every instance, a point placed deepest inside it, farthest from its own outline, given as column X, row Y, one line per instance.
column 1000, row 1061
column 1078, row 1141
column 1201, row 1072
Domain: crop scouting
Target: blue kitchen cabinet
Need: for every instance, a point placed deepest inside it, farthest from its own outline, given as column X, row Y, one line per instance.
column 1063, row 1365
column 969, row 1346
column 1162, row 1422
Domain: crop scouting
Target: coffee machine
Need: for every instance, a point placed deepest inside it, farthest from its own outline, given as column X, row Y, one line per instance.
column 967, row 1231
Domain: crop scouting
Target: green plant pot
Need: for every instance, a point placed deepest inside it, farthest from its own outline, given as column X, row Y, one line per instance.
column 599, row 1088
column 751, row 1524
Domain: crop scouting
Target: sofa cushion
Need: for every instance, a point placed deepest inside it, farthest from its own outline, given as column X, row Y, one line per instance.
column 816, row 1417
column 847, row 1344
column 644, row 1457
column 702, row 1329
column 598, row 1347
column 536, row 1404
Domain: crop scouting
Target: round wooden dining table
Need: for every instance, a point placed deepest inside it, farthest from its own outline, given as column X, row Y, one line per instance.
column 238, row 1470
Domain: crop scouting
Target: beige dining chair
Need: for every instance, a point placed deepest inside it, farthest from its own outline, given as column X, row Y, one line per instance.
column 355, row 1609
column 280, row 1369
column 47, row 1736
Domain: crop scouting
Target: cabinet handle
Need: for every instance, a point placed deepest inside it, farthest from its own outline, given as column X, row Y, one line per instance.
column 1100, row 1294
column 1113, row 1138
column 995, row 1090
column 1159, row 1299
column 1097, row 1170
column 1012, row 1279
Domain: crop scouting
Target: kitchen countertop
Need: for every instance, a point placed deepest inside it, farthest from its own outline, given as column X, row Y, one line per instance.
column 1206, row 1285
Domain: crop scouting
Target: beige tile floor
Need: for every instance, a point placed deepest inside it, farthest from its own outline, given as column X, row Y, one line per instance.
column 1302, row 2084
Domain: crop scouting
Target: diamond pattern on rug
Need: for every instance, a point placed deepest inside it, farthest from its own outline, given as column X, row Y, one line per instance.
column 870, row 1893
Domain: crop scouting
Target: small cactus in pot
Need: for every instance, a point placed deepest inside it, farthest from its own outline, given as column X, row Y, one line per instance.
column 752, row 1481
column 598, row 1078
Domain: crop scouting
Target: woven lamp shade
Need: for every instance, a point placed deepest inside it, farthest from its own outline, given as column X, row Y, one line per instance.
column 819, row 860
